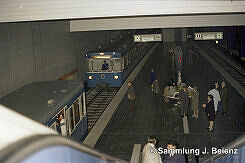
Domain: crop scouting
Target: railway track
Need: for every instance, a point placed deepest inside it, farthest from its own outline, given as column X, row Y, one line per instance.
column 235, row 71
column 228, row 65
column 97, row 100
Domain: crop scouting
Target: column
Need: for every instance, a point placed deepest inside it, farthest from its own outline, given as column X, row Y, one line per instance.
column 242, row 51
column 223, row 42
column 231, row 44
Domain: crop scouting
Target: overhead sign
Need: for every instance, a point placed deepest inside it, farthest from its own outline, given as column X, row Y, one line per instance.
column 209, row 36
column 148, row 38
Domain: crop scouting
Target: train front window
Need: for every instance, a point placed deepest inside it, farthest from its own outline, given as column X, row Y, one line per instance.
column 117, row 66
column 89, row 65
column 102, row 65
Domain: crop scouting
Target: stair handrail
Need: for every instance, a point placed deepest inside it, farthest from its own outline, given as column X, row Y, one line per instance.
column 237, row 143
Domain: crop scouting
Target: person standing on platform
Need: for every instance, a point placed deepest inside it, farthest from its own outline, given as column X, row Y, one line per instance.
column 152, row 78
column 184, row 100
column 150, row 153
column 195, row 101
column 216, row 97
column 156, row 88
column 224, row 97
column 165, row 92
column 131, row 95
column 172, row 89
column 209, row 109
column 173, row 157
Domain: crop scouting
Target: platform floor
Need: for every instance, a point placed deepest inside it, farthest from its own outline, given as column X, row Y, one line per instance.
column 163, row 119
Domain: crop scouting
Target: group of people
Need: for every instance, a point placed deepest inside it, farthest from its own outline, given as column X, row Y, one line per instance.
column 217, row 99
column 189, row 97
column 186, row 97
column 169, row 91
column 150, row 153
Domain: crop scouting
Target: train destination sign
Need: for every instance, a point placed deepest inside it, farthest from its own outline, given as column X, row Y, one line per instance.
column 209, row 36
column 148, row 38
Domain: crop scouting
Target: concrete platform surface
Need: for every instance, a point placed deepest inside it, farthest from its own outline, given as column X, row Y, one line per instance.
column 153, row 117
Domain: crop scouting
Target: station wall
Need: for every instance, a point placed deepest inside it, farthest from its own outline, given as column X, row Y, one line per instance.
column 37, row 51
column 174, row 34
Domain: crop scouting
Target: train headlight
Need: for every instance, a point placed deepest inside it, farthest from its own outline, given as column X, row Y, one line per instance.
column 116, row 77
column 90, row 77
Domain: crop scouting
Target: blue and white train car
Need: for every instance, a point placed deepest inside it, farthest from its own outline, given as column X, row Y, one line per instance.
column 104, row 68
column 26, row 141
column 59, row 105
column 111, row 67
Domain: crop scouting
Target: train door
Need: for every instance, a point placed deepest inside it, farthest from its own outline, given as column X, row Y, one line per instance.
column 84, row 104
column 74, row 115
column 122, row 63
column 125, row 60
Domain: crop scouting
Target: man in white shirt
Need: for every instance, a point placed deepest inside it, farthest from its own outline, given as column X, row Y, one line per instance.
column 150, row 153
column 215, row 93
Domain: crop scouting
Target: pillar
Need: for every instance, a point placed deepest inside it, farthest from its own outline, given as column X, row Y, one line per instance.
column 231, row 38
column 242, row 51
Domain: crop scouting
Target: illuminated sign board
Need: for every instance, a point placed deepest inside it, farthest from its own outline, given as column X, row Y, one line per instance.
column 209, row 36
column 148, row 38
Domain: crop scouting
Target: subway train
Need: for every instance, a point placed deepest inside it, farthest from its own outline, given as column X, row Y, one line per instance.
column 26, row 141
column 111, row 67
column 59, row 105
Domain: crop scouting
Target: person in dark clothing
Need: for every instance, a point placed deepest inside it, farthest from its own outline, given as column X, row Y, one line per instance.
column 153, row 77
column 210, row 111
column 131, row 95
column 224, row 95
column 184, row 101
column 173, row 157
column 105, row 66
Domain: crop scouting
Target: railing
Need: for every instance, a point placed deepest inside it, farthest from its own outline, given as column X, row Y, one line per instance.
column 53, row 148
column 232, row 153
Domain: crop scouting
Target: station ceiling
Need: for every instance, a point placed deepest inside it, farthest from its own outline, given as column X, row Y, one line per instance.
column 87, row 15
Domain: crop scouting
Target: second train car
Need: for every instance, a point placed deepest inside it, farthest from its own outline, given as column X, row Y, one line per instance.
column 104, row 68
column 59, row 105
column 111, row 68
